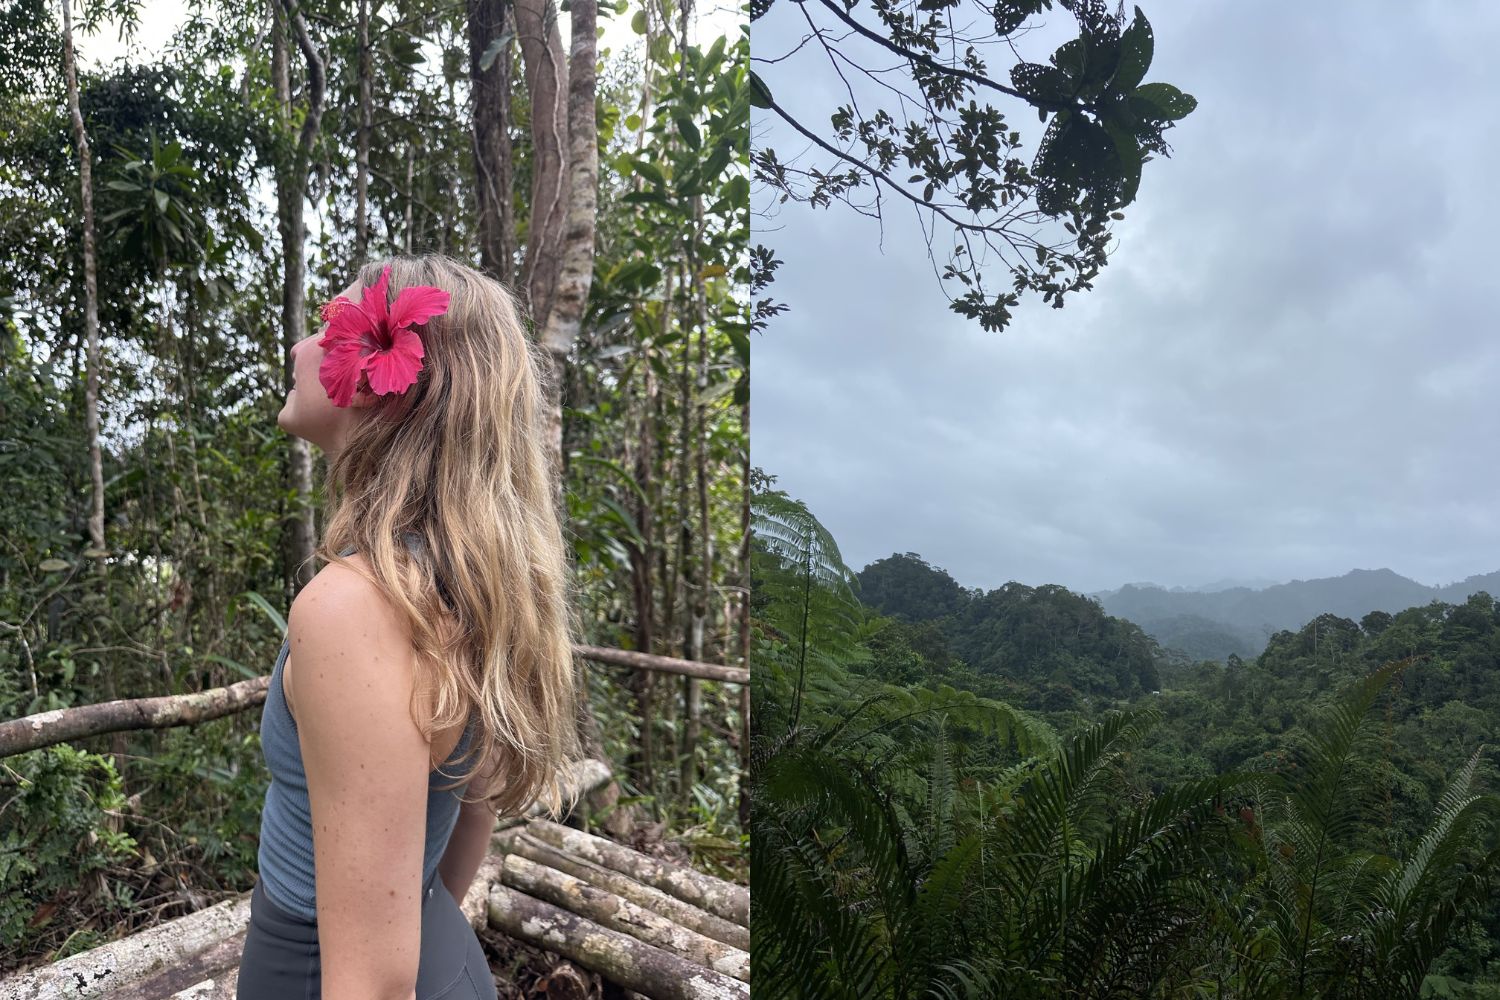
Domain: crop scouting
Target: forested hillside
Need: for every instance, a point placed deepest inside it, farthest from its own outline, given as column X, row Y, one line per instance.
column 1040, row 647
column 990, row 801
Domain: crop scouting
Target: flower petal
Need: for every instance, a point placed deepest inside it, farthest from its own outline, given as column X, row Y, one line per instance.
column 396, row 370
column 340, row 370
column 417, row 304
column 374, row 304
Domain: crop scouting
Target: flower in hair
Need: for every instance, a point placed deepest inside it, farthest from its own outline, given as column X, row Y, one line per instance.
column 374, row 342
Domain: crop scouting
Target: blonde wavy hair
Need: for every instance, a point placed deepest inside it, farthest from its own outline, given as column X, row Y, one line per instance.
column 460, row 462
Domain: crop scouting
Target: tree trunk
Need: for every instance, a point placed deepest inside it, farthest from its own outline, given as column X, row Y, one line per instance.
column 643, row 682
column 692, row 730
column 560, row 241
column 744, row 636
column 406, row 223
column 492, row 155
column 547, row 84
column 91, row 331
column 291, row 187
column 362, row 149
column 690, row 573
column 90, row 292
column 643, row 469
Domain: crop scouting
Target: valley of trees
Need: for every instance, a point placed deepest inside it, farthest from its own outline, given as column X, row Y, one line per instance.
column 168, row 226
column 1015, row 795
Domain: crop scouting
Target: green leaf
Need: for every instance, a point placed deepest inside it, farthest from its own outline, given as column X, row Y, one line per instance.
column 760, row 94
column 634, row 275
column 161, row 200
column 1136, row 48
column 122, row 186
column 649, row 171
column 717, row 161
column 1162, row 102
column 265, row 606
column 1129, row 153
column 234, row 665
column 638, row 22
column 690, row 133
column 1042, row 83
column 53, row 565
column 737, row 190
column 493, row 50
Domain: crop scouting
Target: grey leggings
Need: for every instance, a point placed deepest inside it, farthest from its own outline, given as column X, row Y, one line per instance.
column 281, row 959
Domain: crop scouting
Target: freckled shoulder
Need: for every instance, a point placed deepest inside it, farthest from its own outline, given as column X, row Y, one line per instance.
column 345, row 588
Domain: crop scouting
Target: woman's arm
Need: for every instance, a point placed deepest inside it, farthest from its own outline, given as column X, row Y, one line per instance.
column 467, row 847
column 367, row 766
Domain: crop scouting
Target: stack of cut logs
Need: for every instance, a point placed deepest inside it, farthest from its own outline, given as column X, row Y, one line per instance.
column 660, row 930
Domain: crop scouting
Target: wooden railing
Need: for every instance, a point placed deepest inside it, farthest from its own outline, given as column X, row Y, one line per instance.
column 80, row 721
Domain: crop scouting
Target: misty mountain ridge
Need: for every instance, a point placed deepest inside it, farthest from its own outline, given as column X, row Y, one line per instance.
column 1244, row 619
column 1212, row 587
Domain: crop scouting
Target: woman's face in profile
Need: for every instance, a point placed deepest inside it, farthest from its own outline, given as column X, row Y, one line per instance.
column 308, row 412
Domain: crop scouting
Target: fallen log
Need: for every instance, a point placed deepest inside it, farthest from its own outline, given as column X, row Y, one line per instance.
column 726, row 899
column 618, row 914
column 517, row 841
column 110, row 968
column 633, row 964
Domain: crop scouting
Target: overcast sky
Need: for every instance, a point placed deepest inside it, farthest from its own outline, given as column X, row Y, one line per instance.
column 1288, row 370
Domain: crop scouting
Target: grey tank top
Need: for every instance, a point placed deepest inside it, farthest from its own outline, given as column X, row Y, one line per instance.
column 285, row 855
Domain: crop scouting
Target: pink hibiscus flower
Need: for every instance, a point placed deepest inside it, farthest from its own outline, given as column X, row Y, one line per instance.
column 373, row 341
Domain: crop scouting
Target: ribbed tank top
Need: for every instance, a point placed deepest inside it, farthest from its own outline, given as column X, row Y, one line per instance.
column 285, row 855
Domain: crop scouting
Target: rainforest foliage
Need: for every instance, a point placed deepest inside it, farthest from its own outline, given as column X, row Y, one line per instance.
column 156, row 519
column 979, row 795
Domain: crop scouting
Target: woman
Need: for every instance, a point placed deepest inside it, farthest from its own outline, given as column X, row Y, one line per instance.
column 439, row 634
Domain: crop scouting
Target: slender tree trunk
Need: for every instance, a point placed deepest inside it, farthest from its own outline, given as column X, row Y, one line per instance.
column 548, row 85
column 695, row 568
column 643, row 682
column 362, row 149
column 642, row 560
column 90, row 293
column 291, row 189
column 692, row 730
column 91, row 331
column 492, row 167
column 744, row 636
column 560, row 244
column 411, row 167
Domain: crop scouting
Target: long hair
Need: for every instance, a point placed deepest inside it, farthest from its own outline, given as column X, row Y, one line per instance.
column 460, row 462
